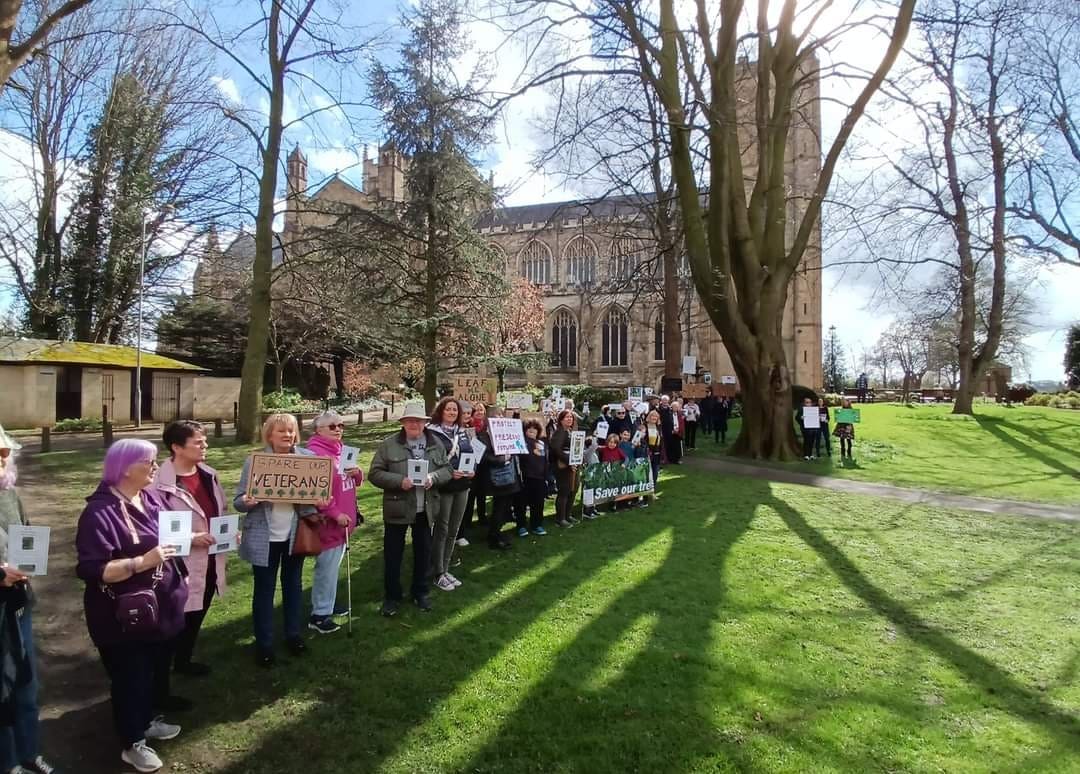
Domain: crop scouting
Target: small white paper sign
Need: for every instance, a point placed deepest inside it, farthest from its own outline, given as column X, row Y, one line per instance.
column 689, row 364
column 507, row 435
column 577, row 447
column 585, row 408
column 588, row 498
column 728, row 380
column 478, row 448
column 560, row 404
column 174, row 529
column 418, row 470
column 637, row 438
column 556, row 393
column 602, row 430
column 648, row 391
column 349, row 455
column 810, row 418
column 548, row 406
column 522, row 401
column 224, row 530
column 467, row 462
column 28, row 549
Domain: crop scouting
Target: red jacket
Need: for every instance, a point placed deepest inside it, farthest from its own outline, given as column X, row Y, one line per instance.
column 607, row 454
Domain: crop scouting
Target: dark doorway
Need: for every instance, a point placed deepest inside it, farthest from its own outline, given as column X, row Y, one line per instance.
column 69, row 392
column 165, row 398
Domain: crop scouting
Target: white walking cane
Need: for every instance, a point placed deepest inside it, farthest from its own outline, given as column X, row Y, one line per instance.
column 348, row 582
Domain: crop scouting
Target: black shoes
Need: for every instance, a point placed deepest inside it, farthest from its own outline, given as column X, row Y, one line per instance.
column 389, row 608
column 265, row 658
column 296, row 646
column 423, row 603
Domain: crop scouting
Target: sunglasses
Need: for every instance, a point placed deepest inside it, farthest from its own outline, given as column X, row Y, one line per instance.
column 335, row 427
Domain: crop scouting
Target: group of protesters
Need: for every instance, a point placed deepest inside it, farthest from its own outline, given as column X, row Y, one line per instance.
column 145, row 605
column 818, row 436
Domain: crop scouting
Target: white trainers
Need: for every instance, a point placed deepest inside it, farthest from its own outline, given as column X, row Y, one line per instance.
column 140, row 756
column 159, row 729
column 453, row 580
column 461, row 542
column 445, row 584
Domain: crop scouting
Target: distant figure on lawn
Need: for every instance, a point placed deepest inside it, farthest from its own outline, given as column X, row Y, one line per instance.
column 862, row 384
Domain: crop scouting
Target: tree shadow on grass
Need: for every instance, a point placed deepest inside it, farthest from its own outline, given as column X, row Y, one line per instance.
column 999, row 687
column 1035, row 450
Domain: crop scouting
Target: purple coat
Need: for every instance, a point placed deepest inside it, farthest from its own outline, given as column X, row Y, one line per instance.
column 103, row 535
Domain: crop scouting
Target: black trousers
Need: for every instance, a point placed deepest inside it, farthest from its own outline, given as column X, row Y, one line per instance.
column 691, row 435
column 808, row 438
column 720, row 431
column 185, row 641
column 566, row 481
column 477, row 501
column 394, row 554
column 823, row 434
column 135, row 671
column 535, row 493
column 502, row 511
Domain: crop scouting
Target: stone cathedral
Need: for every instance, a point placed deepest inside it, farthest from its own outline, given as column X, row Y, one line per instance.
column 594, row 261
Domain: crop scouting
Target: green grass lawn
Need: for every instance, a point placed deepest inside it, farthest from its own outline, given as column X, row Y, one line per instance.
column 734, row 626
column 1022, row 453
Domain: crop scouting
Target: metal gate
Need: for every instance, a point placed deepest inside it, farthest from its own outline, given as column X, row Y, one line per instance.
column 165, row 398
column 108, row 396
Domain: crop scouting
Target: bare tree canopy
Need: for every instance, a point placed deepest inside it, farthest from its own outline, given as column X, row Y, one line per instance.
column 14, row 52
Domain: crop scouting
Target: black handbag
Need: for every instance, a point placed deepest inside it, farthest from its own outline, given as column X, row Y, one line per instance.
column 503, row 476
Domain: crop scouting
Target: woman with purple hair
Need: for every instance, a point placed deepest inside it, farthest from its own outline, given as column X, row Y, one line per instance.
column 19, row 710
column 118, row 555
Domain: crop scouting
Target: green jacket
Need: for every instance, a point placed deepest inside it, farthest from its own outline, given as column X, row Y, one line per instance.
column 390, row 466
column 11, row 512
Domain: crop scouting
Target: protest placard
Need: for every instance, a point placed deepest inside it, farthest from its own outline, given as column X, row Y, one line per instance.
column 695, row 391
column 636, row 394
column 556, row 393
column 604, row 482
column 348, row 461
column 548, row 406
column 810, row 418
column 174, row 529
column 224, row 530
column 728, row 380
column 471, row 388
column 467, row 462
column 418, row 471
column 689, row 364
column 478, row 448
column 707, row 377
column 519, row 401
column 577, row 447
column 602, row 430
column 28, row 549
column 290, row 478
column 507, row 435
column 848, row 415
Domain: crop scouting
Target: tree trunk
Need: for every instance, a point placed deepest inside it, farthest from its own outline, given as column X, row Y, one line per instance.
column 673, row 342
column 767, row 430
column 252, row 373
column 500, row 373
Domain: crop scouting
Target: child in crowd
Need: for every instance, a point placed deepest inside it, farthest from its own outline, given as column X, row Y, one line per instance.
column 808, row 433
column 534, row 469
column 611, row 452
column 627, row 446
column 845, row 431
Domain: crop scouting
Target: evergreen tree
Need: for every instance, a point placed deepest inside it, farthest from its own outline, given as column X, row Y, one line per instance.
column 833, row 370
column 434, row 119
column 1072, row 358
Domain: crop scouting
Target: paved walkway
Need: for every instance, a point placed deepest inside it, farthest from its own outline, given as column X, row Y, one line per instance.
column 918, row 496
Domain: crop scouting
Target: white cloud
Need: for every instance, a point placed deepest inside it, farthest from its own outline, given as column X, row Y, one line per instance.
column 228, row 88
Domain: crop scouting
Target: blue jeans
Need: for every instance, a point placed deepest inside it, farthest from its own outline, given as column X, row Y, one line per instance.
column 324, row 582
column 19, row 742
column 262, row 600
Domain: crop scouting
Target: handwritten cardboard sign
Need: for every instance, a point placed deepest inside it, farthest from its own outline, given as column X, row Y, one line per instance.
column 507, row 435
column 521, row 401
column 475, row 390
column 696, row 391
column 290, row 478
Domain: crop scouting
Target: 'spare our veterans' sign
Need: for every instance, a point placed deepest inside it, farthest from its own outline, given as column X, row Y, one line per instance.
column 290, row 478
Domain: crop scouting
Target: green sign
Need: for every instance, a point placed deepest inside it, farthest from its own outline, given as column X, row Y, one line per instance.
column 605, row 482
column 847, row 416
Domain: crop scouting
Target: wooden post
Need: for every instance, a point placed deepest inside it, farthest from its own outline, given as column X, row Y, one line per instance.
column 106, row 433
column 235, row 414
column 299, row 424
column 385, row 414
column 217, row 428
column 46, row 439
column 104, row 413
column 360, row 417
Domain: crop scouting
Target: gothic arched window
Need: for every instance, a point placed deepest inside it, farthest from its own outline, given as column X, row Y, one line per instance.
column 613, row 335
column 580, row 254
column 625, row 257
column 564, row 340
column 536, row 263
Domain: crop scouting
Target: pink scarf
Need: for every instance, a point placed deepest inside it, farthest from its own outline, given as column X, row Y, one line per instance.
column 325, row 447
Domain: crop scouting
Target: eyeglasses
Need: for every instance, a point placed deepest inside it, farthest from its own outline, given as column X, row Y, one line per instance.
column 335, row 427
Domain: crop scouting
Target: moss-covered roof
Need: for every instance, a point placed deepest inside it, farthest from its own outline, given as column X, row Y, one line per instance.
column 17, row 350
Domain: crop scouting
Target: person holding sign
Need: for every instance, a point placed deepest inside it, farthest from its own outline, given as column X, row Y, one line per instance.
column 454, row 494
column 478, row 489
column 135, row 595
column 408, row 506
column 337, row 521
column 823, row 429
column 534, row 474
column 19, row 740
column 654, row 443
column 269, row 532
column 845, row 431
column 809, row 423
column 566, row 480
column 186, row 483
column 504, row 483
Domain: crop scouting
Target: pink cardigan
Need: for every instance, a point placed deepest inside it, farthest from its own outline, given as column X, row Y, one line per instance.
column 178, row 499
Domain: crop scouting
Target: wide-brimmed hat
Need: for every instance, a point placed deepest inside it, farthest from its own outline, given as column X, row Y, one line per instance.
column 414, row 411
column 7, row 442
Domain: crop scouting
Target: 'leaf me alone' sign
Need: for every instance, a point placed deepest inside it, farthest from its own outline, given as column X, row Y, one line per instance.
column 474, row 389
column 290, row 478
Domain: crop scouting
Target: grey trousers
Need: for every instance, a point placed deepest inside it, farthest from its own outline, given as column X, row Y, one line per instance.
column 447, row 522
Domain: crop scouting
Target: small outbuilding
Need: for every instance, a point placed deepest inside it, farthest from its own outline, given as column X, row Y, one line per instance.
column 43, row 381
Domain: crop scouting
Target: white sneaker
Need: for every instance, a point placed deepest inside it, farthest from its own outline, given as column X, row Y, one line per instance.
column 159, row 729
column 461, row 542
column 140, row 756
column 445, row 584
column 453, row 580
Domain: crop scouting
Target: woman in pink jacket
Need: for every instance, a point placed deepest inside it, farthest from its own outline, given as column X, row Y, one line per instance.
column 187, row 483
column 338, row 520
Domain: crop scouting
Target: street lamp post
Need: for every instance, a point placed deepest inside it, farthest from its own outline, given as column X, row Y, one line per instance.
column 138, row 330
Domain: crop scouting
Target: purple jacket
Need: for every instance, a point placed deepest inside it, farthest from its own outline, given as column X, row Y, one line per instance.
column 103, row 534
